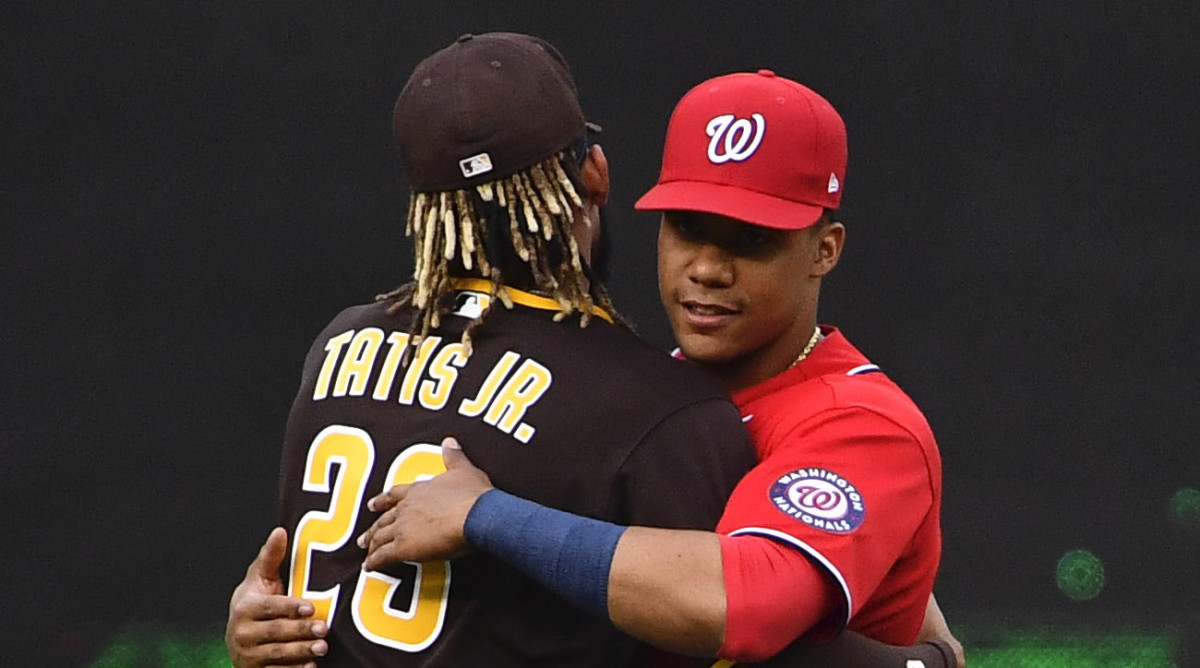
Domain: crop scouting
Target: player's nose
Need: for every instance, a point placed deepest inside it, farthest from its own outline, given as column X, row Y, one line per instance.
column 711, row 266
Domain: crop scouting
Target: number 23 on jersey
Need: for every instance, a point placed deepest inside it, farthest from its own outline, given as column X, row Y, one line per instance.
column 410, row 630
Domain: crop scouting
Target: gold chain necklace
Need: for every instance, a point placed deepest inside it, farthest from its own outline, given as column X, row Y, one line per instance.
column 812, row 343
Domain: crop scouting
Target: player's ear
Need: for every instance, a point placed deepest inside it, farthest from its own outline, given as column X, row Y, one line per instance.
column 595, row 175
column 830, row 238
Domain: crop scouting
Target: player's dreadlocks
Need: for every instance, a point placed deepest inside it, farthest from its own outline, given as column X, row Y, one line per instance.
column 516, row 229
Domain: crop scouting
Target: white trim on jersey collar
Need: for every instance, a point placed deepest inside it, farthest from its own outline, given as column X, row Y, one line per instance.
column 865, row 368
column 810, row 551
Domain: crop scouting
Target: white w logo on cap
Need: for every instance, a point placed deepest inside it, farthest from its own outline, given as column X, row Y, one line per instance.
column 738, row 139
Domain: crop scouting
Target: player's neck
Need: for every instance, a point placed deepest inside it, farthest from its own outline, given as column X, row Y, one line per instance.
column 766, row 362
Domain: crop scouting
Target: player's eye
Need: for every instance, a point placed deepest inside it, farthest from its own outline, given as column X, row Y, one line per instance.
column 755, row 236
column 752, row 239
column 687, row 227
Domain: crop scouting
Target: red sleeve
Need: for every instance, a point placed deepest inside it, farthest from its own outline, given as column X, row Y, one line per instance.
column 773, row 596
column 848, row 488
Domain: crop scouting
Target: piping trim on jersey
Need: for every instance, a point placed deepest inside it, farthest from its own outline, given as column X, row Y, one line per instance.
column 810, row 551
column 865, row 368
column 520, row 296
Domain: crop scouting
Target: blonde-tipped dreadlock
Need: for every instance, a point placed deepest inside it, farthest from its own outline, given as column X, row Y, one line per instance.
column 459, row 230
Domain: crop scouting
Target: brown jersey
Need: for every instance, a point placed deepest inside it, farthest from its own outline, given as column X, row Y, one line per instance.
column 590, row 420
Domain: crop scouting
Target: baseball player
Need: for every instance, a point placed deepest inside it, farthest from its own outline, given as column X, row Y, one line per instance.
column 505, row 335
column 838, row 524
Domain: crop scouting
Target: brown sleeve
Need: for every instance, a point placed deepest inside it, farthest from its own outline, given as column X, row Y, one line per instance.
column 854, row 650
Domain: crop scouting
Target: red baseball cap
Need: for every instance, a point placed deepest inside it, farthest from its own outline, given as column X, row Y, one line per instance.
column 752, row 146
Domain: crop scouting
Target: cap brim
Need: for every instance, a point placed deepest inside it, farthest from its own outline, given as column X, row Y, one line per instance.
column 745, row 205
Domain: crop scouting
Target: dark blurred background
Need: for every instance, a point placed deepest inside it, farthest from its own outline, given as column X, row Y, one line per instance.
column 190, row 191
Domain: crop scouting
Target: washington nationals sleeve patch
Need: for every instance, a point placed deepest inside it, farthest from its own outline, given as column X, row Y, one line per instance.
column 819, row 498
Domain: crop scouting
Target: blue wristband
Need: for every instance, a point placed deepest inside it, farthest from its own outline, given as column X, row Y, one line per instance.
column 569, row 554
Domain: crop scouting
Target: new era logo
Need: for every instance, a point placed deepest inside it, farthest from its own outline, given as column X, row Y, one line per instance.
column 475, row 165
column 833, row 183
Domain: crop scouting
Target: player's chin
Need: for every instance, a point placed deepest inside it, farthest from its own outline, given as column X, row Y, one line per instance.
column 706, row 348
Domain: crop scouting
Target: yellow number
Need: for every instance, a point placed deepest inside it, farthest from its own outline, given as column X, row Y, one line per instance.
column 416, row 628
column 328, row 530
column 411, row 630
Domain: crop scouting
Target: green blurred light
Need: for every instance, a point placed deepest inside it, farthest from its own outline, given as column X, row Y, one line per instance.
column 1185, row 508
column 154, row 646
column 1079, row 646
column 1080, row 575
column 121, row 653
column 988, row 646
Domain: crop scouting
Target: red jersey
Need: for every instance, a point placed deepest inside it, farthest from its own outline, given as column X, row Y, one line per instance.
column 849, row 474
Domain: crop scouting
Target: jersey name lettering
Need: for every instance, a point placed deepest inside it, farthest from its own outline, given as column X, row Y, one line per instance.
column 511, row 387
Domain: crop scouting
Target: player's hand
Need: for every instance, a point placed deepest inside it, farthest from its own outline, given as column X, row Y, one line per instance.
column 935, row 628
column 265, row 627
column 424, row 521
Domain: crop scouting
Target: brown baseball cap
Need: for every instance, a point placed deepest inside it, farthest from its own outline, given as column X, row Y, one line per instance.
column 483, row 108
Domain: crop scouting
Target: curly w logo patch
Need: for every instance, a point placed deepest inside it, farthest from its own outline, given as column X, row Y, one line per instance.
column 734, row 138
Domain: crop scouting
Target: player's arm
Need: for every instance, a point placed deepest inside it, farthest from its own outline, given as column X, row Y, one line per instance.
column 935, row 630
column 664, row 586
column 743, row 597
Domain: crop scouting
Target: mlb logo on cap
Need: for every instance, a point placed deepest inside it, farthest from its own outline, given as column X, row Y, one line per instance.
column 752, row 146
column 475, row 165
